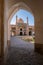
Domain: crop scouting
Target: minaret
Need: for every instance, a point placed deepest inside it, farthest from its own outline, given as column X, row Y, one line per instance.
column 16, row 19
column 27, row 20
column 27, row 27
column 16, row 23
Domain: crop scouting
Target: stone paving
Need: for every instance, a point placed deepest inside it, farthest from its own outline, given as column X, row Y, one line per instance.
column 22, row 53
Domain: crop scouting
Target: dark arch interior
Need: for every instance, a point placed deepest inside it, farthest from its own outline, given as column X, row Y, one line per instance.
column 30, row 33
column 21, row 32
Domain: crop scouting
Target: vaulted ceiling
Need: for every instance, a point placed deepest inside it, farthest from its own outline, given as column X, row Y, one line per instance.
column 36, row 6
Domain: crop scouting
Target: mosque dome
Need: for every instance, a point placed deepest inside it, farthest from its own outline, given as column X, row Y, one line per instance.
column 20, row 21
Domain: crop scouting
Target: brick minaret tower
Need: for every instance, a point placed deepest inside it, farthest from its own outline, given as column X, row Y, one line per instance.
column 16, row 23
column 27, row 32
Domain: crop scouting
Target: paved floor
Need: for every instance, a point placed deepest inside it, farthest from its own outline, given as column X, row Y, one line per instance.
column 22, row 53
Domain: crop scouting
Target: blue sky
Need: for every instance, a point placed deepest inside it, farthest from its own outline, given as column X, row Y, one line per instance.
column 23, row 14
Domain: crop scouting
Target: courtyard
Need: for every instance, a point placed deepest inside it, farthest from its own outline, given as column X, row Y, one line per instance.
column 22, row 53
column 27, row 38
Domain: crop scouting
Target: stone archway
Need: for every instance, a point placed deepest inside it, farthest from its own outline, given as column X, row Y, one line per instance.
column 37, row 15
column 5, row 16
column 13, row 10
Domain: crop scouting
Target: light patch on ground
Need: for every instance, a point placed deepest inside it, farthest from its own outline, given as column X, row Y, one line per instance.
column 27, row 38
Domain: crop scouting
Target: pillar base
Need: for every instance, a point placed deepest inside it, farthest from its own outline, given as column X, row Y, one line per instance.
column 39, row 48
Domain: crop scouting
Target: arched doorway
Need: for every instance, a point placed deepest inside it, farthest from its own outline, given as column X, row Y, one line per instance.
column 17, row 8
column 12, row 11
column 21, row 32
column 30, row 33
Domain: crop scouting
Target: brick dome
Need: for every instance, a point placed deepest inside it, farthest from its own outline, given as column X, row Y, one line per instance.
column 20, row 21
